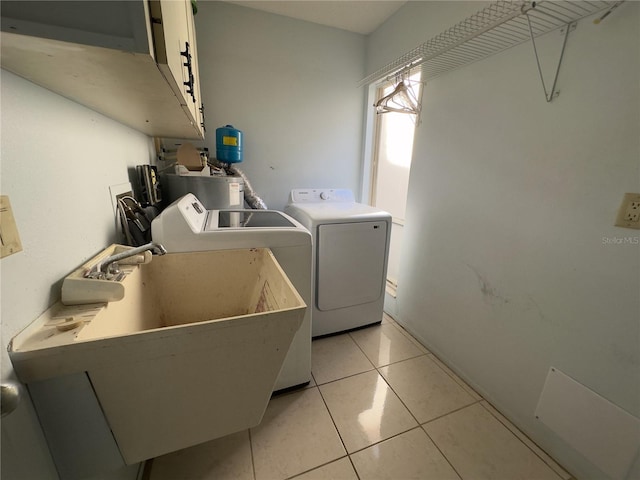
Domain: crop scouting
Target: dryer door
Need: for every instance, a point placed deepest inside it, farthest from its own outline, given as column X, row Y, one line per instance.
column 351, row 263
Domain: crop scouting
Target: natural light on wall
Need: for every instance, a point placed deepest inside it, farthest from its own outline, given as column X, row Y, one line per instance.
column 396, row 139
column 397, row 129
column 395, row 132
column 391, row 167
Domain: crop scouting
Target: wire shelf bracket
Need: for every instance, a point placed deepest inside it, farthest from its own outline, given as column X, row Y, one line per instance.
column 498, row 27
column 565, row 31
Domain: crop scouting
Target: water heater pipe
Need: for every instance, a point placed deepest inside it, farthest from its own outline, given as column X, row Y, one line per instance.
column 250, row 196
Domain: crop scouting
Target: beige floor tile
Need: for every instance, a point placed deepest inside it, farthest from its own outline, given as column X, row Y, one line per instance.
column 458, row 380
column 296, row 435
column 386, row 318
column 426, row 390
column 528, row 442
column 337, row 357
column 365, row 410
column 224, row 458
column 338, row 470
column 385, row 344
column 421, row 347
column 411, row 455
column 480, row 447
column 312, row 382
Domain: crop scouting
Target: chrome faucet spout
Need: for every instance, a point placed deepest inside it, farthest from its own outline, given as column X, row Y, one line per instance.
column 100, row 269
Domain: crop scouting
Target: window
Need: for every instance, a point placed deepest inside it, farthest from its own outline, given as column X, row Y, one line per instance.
column 390, row 171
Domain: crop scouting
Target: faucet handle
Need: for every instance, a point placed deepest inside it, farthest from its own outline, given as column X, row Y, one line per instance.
column 113, row 268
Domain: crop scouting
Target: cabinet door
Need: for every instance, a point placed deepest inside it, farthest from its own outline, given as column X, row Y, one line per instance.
column 121, row 24
column 196, row 71
column 174, row 50
column 123, row 40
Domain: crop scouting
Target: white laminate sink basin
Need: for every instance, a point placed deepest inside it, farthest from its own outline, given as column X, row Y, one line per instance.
column 190, row 353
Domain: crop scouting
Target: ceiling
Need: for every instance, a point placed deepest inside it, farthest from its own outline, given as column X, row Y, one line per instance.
column 361, row 16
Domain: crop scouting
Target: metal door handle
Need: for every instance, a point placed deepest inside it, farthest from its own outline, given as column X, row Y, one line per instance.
column 189, row 84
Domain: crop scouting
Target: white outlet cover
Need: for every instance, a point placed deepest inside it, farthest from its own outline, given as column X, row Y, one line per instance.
column 608, row 436
column 629, row 211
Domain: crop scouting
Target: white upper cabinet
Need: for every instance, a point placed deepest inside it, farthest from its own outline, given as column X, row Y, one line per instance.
column 133, row 61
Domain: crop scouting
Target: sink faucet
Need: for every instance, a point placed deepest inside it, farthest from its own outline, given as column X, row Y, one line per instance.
column 101, row 269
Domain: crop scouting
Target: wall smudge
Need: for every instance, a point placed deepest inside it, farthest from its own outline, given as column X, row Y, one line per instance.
column 489, row 292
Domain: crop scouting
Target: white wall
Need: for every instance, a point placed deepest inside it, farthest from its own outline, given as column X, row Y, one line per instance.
column 58, row 161
column 290, row 86
column 506, row 270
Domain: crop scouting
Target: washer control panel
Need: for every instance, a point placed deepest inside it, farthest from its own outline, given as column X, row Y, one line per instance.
column 321, row 195
column 193, row 212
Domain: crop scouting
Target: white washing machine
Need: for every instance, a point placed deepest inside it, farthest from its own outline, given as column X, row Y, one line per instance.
column 350, row 252
column 186, row 226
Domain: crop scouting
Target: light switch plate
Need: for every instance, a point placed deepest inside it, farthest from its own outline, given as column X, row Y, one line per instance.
column 629, row 212
column 8, row 229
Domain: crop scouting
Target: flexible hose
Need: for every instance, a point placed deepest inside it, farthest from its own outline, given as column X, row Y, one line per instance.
column 250, row 196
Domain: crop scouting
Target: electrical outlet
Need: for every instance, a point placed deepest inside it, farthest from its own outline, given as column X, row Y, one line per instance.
column 629, row 211
column 118, row 191
column 633, row 212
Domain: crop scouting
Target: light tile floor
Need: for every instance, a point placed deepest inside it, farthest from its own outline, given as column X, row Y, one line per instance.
column 380, row 406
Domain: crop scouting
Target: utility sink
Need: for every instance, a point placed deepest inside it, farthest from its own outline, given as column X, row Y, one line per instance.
column 189, row 354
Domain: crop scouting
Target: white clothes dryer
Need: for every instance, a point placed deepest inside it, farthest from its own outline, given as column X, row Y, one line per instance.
column 350, row 252
column 186, row 226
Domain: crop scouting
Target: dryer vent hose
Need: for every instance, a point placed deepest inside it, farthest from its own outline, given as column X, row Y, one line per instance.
column 250, row 196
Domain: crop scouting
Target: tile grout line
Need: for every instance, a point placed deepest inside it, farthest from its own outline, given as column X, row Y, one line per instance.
column 454, row 376
column 353, row 465
column 451, row 374
column 441, row 452
column 346, row 455
column 346, row 376
column 350, row 375
column 459, row 381
column 397, row 395
column 418, row 424
column 253, row 462
column 377, row 369
column 421, row 425
column 407, row 334
column 360, row 348
column 451, row 412
column 315, row 468
column 386, row 365
column 403, row 360
column 334, row 423
column 406, row 406
column 384, row 440
column 524, row 443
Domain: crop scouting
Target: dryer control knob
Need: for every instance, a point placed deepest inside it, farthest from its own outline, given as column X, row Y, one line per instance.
column 324, row 195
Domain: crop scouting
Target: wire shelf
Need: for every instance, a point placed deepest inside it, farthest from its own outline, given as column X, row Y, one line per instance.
column 499, row 26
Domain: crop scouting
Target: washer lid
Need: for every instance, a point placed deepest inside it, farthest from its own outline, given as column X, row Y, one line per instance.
column 247, row 219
